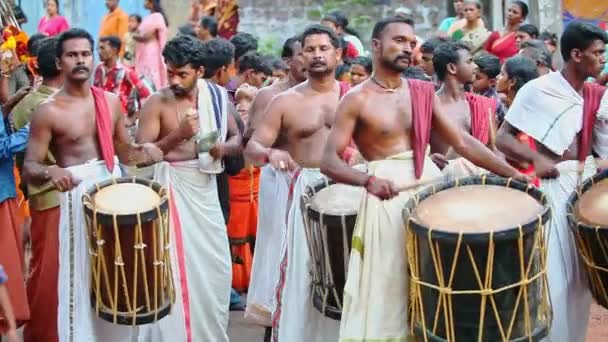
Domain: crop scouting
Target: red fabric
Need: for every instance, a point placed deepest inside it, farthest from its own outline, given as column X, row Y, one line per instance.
column 122, row 87
column 502, row 48
column 42, row 281
column 530, row 170
column 103, row 119
column 480, row 121
column 592, row 95
column 242, row 225
column 11, row 258
column 344, row 88
column 422, row 94
column 351, row 51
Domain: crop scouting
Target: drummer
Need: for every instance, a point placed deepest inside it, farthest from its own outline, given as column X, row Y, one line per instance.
column 295, row 319
column 273, row 197
column 557, row 110
column 455, row 69
column 85, row 153
column 204, row 262
column 375, row 298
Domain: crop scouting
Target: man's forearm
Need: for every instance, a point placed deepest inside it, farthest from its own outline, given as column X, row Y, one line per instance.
column 514, row 149
column 133, row 154
column 232, row 146
column 483, row 157
column 35, row 173
column 256, row 153
column 336, row 169
column 169, row 142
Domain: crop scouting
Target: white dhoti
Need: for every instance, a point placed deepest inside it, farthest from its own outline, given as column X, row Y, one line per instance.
column 295, row 318
column 200, row 256
column 461, row 167
column 77, row 320
column 376, row 291
column 272, row 229
column 568, row 288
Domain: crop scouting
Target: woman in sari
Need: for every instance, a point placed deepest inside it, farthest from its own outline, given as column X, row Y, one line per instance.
column 504, row 44
column 52, row 23
column 151, row 38
column 471, row 29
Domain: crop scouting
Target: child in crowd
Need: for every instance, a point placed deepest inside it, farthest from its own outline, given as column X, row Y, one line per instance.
column 343, row 72
column 488, row 68
column 7, row 318
column 244, row 97
column 129, row 56
column 360, row 70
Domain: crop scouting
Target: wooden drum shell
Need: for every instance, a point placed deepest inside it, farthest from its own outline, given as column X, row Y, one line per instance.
column 592, row 242
column 468, row 286
column 131, row 278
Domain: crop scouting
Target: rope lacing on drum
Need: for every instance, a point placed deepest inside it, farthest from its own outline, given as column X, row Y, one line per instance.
column 445, row 289
column 139, row 246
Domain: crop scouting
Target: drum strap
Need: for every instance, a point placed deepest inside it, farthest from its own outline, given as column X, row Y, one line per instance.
column 592, row 96
column 480, row 121
column 422, row 114
column 104, row 126
column 292, row 185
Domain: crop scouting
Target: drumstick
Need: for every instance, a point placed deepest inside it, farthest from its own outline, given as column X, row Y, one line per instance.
column 414, row 185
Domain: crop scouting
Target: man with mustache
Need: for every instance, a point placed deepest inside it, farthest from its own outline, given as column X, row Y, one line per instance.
column 474, row 114
column 390, row 119
column 272, row 198
column 190, row 122
column 298, row 120
column 83, row 127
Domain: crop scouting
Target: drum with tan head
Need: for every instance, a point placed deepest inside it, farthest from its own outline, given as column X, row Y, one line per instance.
column 330, row 213
column 131, row 279
column 476, row 255
column 588, row 219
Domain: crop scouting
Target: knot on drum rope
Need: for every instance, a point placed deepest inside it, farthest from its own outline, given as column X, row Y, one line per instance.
column 140, row 246
column 167, row 246
column 119, row 262
column 100, row 242
column 158, row 263
column 92, row 252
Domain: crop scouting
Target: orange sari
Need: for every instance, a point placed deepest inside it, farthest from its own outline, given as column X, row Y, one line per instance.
column 242, row 225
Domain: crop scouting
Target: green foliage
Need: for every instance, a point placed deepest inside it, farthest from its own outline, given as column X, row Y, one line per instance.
column 359, row 13
column 269, row 45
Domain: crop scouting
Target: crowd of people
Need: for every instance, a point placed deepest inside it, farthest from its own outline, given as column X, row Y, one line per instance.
column 465, row 101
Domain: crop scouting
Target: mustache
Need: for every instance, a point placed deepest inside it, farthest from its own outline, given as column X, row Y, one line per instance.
column 79, row 69
column 318, row 63
column 405, row 55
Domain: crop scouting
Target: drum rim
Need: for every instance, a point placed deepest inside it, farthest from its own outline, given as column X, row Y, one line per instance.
column 312, row 190
column 574, row 223
column 107, row 218
column 437, row 233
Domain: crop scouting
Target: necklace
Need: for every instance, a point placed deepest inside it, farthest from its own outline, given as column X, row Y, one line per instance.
column 387, row 89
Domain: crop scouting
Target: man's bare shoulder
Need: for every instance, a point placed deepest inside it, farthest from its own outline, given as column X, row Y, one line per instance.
column 287, row 98
column 358, row 95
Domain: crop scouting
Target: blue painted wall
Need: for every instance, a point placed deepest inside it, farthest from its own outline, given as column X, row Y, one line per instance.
column 85, row 14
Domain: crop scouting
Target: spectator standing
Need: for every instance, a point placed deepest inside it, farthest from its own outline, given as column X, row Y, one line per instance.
column 115, row 22
column 52, row 23
column 151, row 38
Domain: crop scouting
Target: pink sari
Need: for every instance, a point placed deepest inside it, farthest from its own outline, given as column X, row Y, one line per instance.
column 53, row 26
column 148, row 55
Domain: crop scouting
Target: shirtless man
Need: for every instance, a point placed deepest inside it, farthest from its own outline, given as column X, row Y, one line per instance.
column 82, row 127
column 180, row 119
column 292, row 56
column 375, row 298
column 300, row 117
column 272, row 194
column 558, row 110
column 455, row 69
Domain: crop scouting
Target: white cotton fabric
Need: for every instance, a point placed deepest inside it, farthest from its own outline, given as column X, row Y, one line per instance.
column 272, row 229
column 549, row 110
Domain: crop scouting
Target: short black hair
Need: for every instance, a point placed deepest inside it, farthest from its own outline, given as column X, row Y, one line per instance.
column 580, row 35
column 415, row 74
column 548, row 36
column 524, row 8
column 320, row 29
column 137, row 17
column 538, row 51
column 365, row 62
column 73, row 33
column 113, row 41
column 287, row 51
column 383, row 23
column 447, row 53
column 46, row 54
column 32, row 43
column 430, row 44
column 530, row 29
column 521, row 69
column 216, row 53
column 488, row 64
column 183, row 50
column 209, row 23
column 243, row 42
column 276, row 63
column 253, row 60
column 186, row 30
